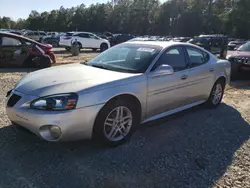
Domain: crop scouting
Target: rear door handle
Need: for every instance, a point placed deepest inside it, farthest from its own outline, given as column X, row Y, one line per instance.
column 211, row 70
column 184, row 77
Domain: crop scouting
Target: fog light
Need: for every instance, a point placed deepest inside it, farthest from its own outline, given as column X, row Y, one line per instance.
column 50, row 132
column 55, row 131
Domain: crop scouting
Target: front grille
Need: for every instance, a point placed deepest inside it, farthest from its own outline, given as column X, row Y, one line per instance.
column 13, row 100
column 245, row 60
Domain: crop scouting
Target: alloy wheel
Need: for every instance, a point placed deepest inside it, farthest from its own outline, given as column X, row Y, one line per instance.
column 217, row 94
column 118, row 124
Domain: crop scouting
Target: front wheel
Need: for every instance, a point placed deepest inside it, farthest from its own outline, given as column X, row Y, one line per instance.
column 103, row 47
column 115, row 122
column 216, row 94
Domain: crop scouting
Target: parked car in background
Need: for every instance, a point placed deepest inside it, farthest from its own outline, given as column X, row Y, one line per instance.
column 181, row 39
column 16, row 32
column 120, row 38
column 52, row 33
column 240, row 59
column 234, row 45
column 85, row 40
column 19, row 51
column 108, row 97
column 53, row 40
column 35, row 35
column 216, row 44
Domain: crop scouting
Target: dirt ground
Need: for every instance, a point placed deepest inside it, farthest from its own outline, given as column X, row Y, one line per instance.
column 65, row 57
column 199, row 148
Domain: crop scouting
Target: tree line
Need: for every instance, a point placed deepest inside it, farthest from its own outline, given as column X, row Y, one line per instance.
column 145, row 17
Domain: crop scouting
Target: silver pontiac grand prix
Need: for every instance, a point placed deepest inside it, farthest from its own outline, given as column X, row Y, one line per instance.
column 108, row 97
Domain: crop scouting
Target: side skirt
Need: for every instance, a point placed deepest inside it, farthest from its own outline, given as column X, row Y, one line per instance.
column 179, row 109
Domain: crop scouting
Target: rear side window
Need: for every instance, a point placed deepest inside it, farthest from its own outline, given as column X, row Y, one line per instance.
column 196, row 57
column 9, row 41
column 84, row 35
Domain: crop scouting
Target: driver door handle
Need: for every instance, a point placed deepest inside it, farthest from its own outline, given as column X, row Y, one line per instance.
column 184, row 77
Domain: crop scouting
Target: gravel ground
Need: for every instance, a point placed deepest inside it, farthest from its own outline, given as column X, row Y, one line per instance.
column 195, row 148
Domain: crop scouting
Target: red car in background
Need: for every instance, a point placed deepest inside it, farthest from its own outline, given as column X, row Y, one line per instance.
column 239, row 59
column 19, row 51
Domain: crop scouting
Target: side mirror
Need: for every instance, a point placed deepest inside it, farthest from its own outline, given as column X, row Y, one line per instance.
column 162, row 70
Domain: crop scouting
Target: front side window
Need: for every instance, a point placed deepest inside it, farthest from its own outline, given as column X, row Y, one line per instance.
column 174, row 57
column 196, row 57
column 131, row 58
column 9, row 41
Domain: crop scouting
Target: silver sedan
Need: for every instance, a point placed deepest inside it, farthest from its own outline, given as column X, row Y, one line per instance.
column 108, row 97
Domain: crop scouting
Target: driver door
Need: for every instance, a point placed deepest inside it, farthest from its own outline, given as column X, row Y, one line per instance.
column 167, row 92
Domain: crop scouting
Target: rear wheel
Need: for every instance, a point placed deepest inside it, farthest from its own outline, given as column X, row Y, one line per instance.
column 68, row 48
column 216, row 94
column 103, row 47
column 28, row 62
column 115, row 122
column 54, row 44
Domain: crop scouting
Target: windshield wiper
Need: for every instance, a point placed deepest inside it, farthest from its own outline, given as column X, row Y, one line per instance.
column 100, row 66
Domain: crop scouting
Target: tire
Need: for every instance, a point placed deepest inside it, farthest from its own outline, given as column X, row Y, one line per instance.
column 28, row 62
column 103, row 47
column 215, row 99
column 45, row 62
column 109, row 134
column 54, row 44
column 67, row 49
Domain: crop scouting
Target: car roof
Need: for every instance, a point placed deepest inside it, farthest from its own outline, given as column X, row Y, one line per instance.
column 163, row 44
column 84, row 32
column 18, row 36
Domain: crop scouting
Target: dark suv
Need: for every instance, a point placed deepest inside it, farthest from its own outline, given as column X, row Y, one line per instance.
column 216, row 44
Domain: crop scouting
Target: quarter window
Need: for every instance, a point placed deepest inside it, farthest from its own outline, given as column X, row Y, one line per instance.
column 8, row 41
column 174, row 57
column 197, row 57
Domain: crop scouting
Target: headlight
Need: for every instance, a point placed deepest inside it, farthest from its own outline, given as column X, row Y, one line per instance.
column 56, row 102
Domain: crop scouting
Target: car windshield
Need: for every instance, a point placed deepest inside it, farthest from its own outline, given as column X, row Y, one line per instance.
column 245, row 47
column 131, row 58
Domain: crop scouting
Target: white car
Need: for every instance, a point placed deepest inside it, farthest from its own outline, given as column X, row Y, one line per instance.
column 84, row 40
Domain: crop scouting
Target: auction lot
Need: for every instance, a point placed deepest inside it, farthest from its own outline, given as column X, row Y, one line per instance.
column 196, row 148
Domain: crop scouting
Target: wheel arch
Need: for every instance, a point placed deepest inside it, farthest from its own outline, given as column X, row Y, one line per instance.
column 125, row 96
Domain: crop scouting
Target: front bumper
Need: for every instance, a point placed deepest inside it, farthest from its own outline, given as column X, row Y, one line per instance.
column 74, row 124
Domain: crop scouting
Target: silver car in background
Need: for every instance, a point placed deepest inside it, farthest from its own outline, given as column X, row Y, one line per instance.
column 107, row 98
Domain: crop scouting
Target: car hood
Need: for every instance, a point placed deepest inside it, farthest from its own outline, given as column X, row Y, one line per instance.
column 238, row 54
column 70, row 78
